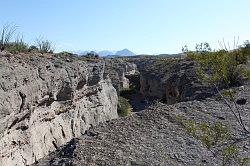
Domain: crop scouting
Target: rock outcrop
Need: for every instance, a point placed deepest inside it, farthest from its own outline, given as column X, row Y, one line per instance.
column 156, row 136
column 118, row 71
column 45, row 102
column 173, row 80
column 62, row 111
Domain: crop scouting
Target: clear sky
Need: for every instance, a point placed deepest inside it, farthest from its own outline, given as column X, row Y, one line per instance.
column 143, row 26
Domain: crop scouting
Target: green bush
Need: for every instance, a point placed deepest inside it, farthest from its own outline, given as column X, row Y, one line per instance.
column 18, row 46
column 219, row 67
column 245, row 51
column 123, row 108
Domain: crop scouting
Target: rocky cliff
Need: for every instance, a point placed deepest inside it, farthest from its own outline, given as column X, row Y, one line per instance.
column 47, row 101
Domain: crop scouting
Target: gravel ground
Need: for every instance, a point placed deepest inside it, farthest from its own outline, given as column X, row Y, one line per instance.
column 156, row 137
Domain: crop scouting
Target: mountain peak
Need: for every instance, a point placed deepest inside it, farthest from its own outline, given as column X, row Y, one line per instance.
column 125, row 52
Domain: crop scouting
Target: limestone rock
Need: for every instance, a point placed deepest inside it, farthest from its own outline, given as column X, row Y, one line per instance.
column 45, row 102
column 156, row 136
column 118, row 70
column 173, row 80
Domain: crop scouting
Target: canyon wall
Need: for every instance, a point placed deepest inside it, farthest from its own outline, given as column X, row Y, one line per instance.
column 171, row 80
column 118, row 71
column 45, row 102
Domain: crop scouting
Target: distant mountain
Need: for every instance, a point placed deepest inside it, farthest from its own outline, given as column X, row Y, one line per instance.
column 124, row 52
column 80, row 52
column 106, row 53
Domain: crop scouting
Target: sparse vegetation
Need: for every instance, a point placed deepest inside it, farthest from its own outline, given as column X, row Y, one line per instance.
column 17, row 46
column 33, row 48
column 124, row 108
column 44, row 46
column 216, row 137
column 222, row 69
column 245, row 161
column 210, row 135
column 6, row 33
column 229, row 154
column 65, row 54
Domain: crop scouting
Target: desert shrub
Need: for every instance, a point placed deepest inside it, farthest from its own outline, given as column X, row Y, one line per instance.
column 246, row 73
column 91, row 55
column 33, row 48
column 17, row 46
column 123, row 108
column 6, row 33
column 216, row 137
column 210, row 135
column 220, row 67
column 223, row 69
column 229, row 154
column 245, row 51
column 44, row 46
column 245, row 161
column 65, row 54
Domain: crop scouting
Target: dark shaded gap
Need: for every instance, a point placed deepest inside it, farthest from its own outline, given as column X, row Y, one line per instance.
column 133, row 94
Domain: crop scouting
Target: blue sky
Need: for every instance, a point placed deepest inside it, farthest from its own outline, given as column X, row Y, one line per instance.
column 143, row 26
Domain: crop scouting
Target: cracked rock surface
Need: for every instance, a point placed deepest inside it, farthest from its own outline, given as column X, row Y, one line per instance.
column 47, row 101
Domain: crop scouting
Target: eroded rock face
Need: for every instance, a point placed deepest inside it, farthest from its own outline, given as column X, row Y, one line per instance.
column 118, row 70
column 156, row 136
column 45, row 102
column 173, row 80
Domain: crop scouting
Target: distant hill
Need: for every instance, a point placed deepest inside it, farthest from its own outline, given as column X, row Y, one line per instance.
column 80, row 52
column 106, row 53
column 124, row 52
